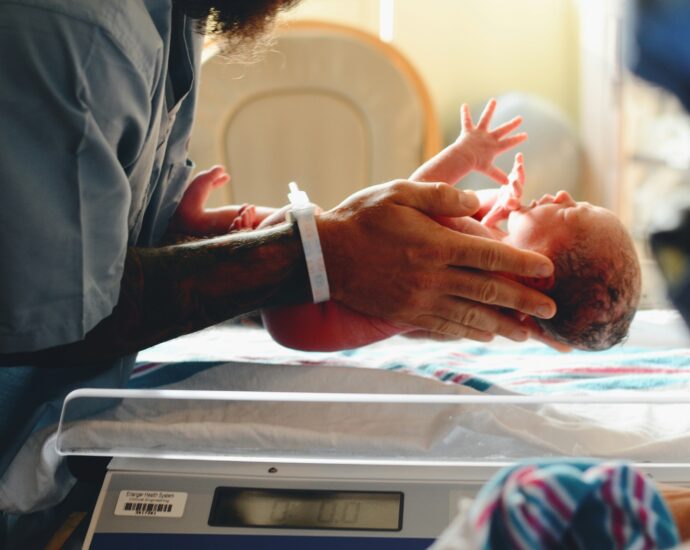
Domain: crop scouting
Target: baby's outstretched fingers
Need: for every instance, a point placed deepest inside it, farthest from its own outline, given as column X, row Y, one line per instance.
column 507, row 127
column 512, row 141
column 466, row 124
column 485, row 118
column 478, row 146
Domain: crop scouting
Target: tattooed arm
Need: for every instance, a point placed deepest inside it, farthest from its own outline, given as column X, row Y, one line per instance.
column 175, row 290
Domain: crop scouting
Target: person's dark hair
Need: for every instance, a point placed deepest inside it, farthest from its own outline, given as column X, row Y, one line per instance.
column 596, row 293
column 236, row 22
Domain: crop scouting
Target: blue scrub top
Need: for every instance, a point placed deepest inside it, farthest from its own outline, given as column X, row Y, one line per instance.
column 96, row 103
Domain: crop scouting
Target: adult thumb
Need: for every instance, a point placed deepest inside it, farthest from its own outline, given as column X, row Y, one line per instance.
column 441, row 199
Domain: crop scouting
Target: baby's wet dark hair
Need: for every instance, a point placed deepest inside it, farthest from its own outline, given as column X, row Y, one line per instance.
column 596, row 290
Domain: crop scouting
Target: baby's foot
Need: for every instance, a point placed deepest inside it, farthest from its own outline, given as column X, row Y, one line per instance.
column 246, row 218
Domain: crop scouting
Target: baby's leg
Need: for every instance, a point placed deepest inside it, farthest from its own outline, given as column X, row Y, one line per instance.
column 329, row 326
column 190, row 216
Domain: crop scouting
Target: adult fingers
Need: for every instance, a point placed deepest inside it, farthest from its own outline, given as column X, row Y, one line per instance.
column 435, row 199
column 467, row 319
column 451, row 330
column 428, row 335
column 482, row 318
column 486, row 115
column 494, row 290
column 466, row 225
column 554, row 344
column 507, row 127
column 538, row 334
column 488, row 255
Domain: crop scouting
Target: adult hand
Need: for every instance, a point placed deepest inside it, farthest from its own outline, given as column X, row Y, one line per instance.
column 387, row 257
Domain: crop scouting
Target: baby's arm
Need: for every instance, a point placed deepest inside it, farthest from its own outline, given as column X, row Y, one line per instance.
column 475, row 149
column 509, row 196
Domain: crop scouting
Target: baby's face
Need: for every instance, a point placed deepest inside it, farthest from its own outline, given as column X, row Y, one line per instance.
column 548, row 224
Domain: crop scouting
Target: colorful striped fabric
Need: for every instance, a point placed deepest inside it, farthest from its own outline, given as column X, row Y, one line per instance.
column 569, row 504
column 521, row 368
column 656, row 356
column 536, row 369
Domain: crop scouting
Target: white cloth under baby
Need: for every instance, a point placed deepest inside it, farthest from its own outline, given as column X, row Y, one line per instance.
column 458, row 432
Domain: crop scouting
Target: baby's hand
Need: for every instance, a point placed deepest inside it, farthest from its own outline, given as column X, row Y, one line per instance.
column 509, row 196
column 482, row 145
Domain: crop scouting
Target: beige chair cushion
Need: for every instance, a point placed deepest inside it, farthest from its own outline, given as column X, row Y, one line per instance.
column 329, row 108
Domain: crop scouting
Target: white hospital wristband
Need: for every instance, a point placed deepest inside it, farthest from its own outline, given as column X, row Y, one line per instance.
column 303, row 213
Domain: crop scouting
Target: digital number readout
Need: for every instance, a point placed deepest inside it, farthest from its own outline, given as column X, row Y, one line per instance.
column 306, row 509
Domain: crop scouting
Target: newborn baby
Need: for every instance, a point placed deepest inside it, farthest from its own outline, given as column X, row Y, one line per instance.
column 596, row 282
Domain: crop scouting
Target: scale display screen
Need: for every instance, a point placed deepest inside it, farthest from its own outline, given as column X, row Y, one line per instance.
column 306, row 509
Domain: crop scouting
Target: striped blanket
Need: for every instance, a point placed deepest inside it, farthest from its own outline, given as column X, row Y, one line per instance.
column 564, row 504
column 521, row 368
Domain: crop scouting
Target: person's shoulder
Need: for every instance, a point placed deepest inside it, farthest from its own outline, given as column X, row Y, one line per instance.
column 136, row 27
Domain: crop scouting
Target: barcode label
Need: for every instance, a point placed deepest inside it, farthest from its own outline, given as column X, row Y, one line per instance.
column 150, row 504
column 147, row 509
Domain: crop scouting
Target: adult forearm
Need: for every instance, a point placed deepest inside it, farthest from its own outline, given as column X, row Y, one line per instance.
column 180, row 289
column 175, row 290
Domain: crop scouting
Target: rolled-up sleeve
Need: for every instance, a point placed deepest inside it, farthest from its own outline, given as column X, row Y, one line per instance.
column 74, row 112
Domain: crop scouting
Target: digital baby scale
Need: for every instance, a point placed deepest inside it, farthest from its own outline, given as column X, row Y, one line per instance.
column 207, row 470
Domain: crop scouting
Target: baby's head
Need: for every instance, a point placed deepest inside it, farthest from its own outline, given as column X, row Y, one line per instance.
column 596, row 283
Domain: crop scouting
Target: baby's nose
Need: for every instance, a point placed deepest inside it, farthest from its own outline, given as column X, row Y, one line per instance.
column 562, row 197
